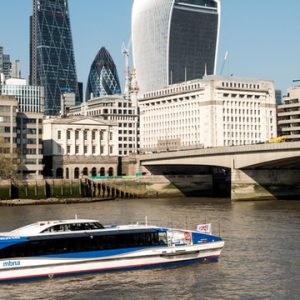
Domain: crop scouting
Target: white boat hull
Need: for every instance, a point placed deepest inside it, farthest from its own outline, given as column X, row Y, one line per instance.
column 36, row 268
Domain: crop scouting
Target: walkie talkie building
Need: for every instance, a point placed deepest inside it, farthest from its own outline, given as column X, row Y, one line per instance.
column 52, row 63
column 174, row 40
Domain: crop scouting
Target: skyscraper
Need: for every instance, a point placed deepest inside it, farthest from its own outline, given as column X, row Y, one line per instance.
column 5, row 64
column 52, row 62
column 174, row 40
column 103, row 78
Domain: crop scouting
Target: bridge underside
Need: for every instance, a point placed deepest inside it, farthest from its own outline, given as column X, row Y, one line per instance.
column 273, row 179
column 290, row 163
column 264, row 171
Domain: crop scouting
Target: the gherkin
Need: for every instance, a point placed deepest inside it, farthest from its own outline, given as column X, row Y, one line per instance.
column 52, row 62
column 103, row 78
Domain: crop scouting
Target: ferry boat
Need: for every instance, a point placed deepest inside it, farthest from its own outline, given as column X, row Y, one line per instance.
column 48, row 249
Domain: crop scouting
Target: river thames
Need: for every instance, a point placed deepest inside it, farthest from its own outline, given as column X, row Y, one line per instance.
column 261, row 258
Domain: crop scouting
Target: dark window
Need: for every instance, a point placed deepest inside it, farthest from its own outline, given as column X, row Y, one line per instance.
column 92, row 242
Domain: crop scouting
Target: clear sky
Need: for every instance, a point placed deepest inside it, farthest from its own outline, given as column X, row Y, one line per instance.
column 262, row 37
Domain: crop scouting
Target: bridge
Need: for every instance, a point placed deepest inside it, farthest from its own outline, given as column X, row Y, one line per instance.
column 260, row 171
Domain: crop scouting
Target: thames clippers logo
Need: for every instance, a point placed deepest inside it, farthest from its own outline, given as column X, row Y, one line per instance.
column 7, row 264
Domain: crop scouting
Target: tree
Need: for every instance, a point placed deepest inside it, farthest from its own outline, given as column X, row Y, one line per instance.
column 9, row 162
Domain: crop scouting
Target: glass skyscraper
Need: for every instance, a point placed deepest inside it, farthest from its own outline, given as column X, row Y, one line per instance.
column 103, row 78
column 52, row 63
column 174, row 40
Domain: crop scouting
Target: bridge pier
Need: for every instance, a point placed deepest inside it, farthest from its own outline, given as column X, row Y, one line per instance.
column 264, row 184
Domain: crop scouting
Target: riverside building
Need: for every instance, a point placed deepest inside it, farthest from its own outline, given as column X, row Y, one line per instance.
column 289, row 115
column 114, row 108
column 29, row 119
column 174, row 41
column 215, row 111
column 8, row 125
column 78, row 146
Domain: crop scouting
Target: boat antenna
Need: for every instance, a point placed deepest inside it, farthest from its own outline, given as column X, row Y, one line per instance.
column 146, row 220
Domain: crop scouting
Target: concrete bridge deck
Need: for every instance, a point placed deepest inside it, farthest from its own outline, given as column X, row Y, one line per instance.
column 260, row 171
column 258, row 156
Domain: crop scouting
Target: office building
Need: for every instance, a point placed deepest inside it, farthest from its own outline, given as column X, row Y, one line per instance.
column 278, row 95
column 174, row 41
column 114, row 108
column 289, row 115
column 103, row 78
column 30, row 144
column 212, row 112
column 30, row 98
column 29, row 118
column 16, row 69
column 8, row 125
column 52, row 63
column 5, row 64
column 79, row 146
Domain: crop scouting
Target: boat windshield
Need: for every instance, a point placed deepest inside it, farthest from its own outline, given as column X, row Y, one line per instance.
column 73, row 227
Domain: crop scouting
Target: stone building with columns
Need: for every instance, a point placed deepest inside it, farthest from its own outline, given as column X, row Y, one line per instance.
column 79, row 146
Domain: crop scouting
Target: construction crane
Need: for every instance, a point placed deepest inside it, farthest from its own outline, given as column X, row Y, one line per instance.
column 224, row 62
column 125, row 52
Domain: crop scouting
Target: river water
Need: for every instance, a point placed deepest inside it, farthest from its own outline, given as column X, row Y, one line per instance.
column 261, row 258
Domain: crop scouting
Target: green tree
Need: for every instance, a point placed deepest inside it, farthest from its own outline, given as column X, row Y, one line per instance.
column 9, row 162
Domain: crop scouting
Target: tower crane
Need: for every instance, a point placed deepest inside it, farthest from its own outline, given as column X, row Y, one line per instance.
column 224, row 62
column 125, row 52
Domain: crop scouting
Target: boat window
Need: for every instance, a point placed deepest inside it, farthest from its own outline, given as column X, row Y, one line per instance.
column 73, row 227
column 75, row 244
column 163, row 238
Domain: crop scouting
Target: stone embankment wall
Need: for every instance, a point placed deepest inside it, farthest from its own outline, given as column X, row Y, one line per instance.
column 265, row 184
column 41, row 189
column 155, row 186
column 130, row 187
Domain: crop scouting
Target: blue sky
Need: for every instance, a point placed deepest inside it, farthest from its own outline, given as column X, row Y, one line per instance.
column 262, row 37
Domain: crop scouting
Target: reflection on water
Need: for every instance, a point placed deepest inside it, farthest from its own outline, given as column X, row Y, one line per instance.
column 260, row 260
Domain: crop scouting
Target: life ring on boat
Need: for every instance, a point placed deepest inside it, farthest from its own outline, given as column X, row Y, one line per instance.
column 187, row 236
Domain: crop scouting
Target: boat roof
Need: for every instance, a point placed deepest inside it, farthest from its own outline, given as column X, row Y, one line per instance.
column 42, row 227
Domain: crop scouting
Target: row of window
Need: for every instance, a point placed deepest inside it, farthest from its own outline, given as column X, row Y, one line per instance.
column 172, row 90
column 241, row 111
column 65, row 245
column 85, row 134
column 100, row 112
column 85, row 149
column 84, row 172
column 6, row 108
column 241, row 85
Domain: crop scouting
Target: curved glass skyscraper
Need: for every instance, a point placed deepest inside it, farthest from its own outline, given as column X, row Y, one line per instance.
column 52, row 63
column 103, row 78
column 174, row 40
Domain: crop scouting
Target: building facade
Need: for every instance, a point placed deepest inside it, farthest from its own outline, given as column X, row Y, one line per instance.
column 8, row 125
column 5, row 64
column 289, row 115
column 103, row 78
column 30, row 144
column 52, row 63
column 114, row 108
column 80, row 146
column 29, row 118
column 212, row 112
column 174, row 41
column 30, row 98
